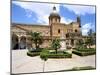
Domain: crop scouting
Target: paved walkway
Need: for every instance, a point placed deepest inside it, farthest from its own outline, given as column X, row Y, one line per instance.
column 21, row 63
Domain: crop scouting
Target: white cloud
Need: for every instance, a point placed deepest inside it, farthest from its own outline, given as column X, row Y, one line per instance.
column 80, row 10
column 86, row 27
column 28, row 13
column 41, row 10
column 66, row 21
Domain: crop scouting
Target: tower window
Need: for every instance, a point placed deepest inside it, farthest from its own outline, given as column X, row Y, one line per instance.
column 56, row 19
column 58, row 30
column 67, row 35
column 75, row 30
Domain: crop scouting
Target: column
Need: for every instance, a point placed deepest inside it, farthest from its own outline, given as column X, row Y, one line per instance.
column 75, row 43
column 18, row 42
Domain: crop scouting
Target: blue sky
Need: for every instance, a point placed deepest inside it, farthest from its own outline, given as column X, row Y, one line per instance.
column 37, row 13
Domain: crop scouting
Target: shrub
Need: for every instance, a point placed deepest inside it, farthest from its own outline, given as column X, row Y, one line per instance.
column 44, row 54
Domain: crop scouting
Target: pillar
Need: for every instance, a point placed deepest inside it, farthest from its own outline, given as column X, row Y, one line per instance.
column 18, row 42
column 75, row 41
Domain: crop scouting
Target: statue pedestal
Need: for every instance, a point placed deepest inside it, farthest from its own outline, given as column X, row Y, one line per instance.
column 63, row 42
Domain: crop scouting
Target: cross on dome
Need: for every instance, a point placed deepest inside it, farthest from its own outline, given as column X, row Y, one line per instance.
column 54, row 8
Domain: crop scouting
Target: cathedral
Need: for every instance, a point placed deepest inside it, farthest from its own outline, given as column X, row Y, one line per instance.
column 70, row 33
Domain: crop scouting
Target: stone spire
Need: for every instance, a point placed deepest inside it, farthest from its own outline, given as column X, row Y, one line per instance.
column 79, row 20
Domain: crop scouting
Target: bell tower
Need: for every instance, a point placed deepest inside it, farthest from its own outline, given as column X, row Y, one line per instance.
column 54, row 16
column 79, row 21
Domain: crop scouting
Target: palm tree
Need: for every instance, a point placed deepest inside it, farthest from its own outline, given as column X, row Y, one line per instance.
column 56, row 44
column 37, row 39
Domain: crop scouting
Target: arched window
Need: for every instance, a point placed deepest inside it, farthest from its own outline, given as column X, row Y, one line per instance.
column 75, row 30
column 67, row 35
column 55, row 19
column 58, row 30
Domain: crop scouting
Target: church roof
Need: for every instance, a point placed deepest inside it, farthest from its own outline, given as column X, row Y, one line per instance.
column 23, row 24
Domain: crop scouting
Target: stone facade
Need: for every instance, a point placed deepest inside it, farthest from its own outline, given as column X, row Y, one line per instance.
column 69, row 33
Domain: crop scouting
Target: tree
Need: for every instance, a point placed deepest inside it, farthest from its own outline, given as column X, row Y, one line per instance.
column 44, row 57
column 56, row 44
column 94, row 34
column 90, row 32
column 80, row 43
column 89, row 40
column 37, row 39
column 94, row 37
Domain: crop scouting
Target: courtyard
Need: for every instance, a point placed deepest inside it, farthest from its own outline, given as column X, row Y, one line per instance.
column 21, row 63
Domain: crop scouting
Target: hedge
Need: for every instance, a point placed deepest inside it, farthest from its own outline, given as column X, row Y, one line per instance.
column 60, row 54
column 79, row 68
column 86, row 49
column 83, row 68
column 80, row 53
column 33, row 53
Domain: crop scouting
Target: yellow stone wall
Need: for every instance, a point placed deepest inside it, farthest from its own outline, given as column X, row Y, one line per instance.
column 76, row 27
column 45, row 30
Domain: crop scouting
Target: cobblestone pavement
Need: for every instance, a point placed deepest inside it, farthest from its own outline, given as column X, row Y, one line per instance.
column 21, row 63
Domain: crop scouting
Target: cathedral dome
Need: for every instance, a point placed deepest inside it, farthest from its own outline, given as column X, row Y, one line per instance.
column 54, row 13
